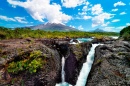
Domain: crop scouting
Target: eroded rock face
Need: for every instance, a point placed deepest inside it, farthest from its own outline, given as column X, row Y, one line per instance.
column 19, row 49
column 74, row 61
column 111, row 66
column 50, row 73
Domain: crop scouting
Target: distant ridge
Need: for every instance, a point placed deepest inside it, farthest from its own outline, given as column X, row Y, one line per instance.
column 53, row 27
column 98, row 30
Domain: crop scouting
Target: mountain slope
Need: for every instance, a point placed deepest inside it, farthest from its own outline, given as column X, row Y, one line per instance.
column 53, row 27
column 98, row 30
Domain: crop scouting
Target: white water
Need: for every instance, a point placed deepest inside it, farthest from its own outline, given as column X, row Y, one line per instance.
column 82, row 79
column 114, row 37
column 63, row 75
column 86, row 67
column 63, row 72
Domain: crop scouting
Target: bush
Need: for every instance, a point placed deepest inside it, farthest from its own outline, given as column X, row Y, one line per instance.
column 15, row 67
column 7, row 33
column 35, row 54
column 31, row 64
column 34, row 65
column 125, row 33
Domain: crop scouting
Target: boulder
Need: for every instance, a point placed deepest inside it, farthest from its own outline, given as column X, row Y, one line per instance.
column 74, row 61
column 111, row 65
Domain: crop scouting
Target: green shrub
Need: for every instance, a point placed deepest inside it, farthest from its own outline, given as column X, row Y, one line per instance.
column 35, row 54
column 34, row 65
column 126, row 36
column 15, row 67
column 31, row 64
column 125, row 33
column 7, row 33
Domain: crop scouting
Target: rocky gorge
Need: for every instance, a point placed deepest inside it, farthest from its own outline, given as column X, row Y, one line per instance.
column 17, row 50
column 110, row 67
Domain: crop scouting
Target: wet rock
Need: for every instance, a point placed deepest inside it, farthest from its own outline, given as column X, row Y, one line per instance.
column 48, row 75
column 74, row 61
column 70, row 69
column 111, row 65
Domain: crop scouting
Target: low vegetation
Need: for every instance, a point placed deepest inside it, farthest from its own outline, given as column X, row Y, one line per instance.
column 30, row 64
column 125, row 33
column 8, row 33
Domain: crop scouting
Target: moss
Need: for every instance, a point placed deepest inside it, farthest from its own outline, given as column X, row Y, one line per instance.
column 78, row 54
column 20, row 51
column 78, row 46
column 22, row 83
column 121, row 53
column 34, row 65
column 4, row 56
column 0, row 50
column 31, row 64
column 35, row 54
column 44, row 55
column 99, row 61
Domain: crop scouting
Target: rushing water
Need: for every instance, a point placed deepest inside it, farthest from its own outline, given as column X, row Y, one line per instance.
column 80, row 40
column 84, row 39
column 114, row 37
column 63, row 72
column 63, row 75
column 86, row 67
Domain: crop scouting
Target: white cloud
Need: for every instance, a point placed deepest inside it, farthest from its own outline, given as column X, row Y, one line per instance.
column 105, row 24
column 84, row 17
column 87, row 17
column 119, row 28
column 80, row 27
column 120, row 3
column 116, row 20
column 72, row 26
column 85, row 8
column 109, row 29
column 21, row 19
column 97, row 9
column 82, row 13
column 128, row 24
column 114, row 29
column 72, row 3
column 123, row 13
column 43, row 10
column 87, row 3
column 99, row 20
column 5, row 18
column 13, row 6
column 114, row 10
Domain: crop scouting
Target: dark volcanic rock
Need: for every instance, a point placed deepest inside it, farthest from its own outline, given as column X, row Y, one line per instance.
column 50, row 74
column 74, row 61
column 111, row 66
column 70, row 68
column 19, row 49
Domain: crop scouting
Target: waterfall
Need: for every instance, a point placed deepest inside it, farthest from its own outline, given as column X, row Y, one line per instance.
column 82, row 79
column 62, row 71
column 63, row 75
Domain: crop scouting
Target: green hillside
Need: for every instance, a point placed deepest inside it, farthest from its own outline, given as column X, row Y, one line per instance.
column 7, row 33
column 125, row 33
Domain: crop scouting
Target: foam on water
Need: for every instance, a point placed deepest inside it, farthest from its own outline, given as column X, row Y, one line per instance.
column 86, row 67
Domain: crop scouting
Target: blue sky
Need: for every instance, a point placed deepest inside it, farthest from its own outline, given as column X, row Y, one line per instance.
column 86, row 15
